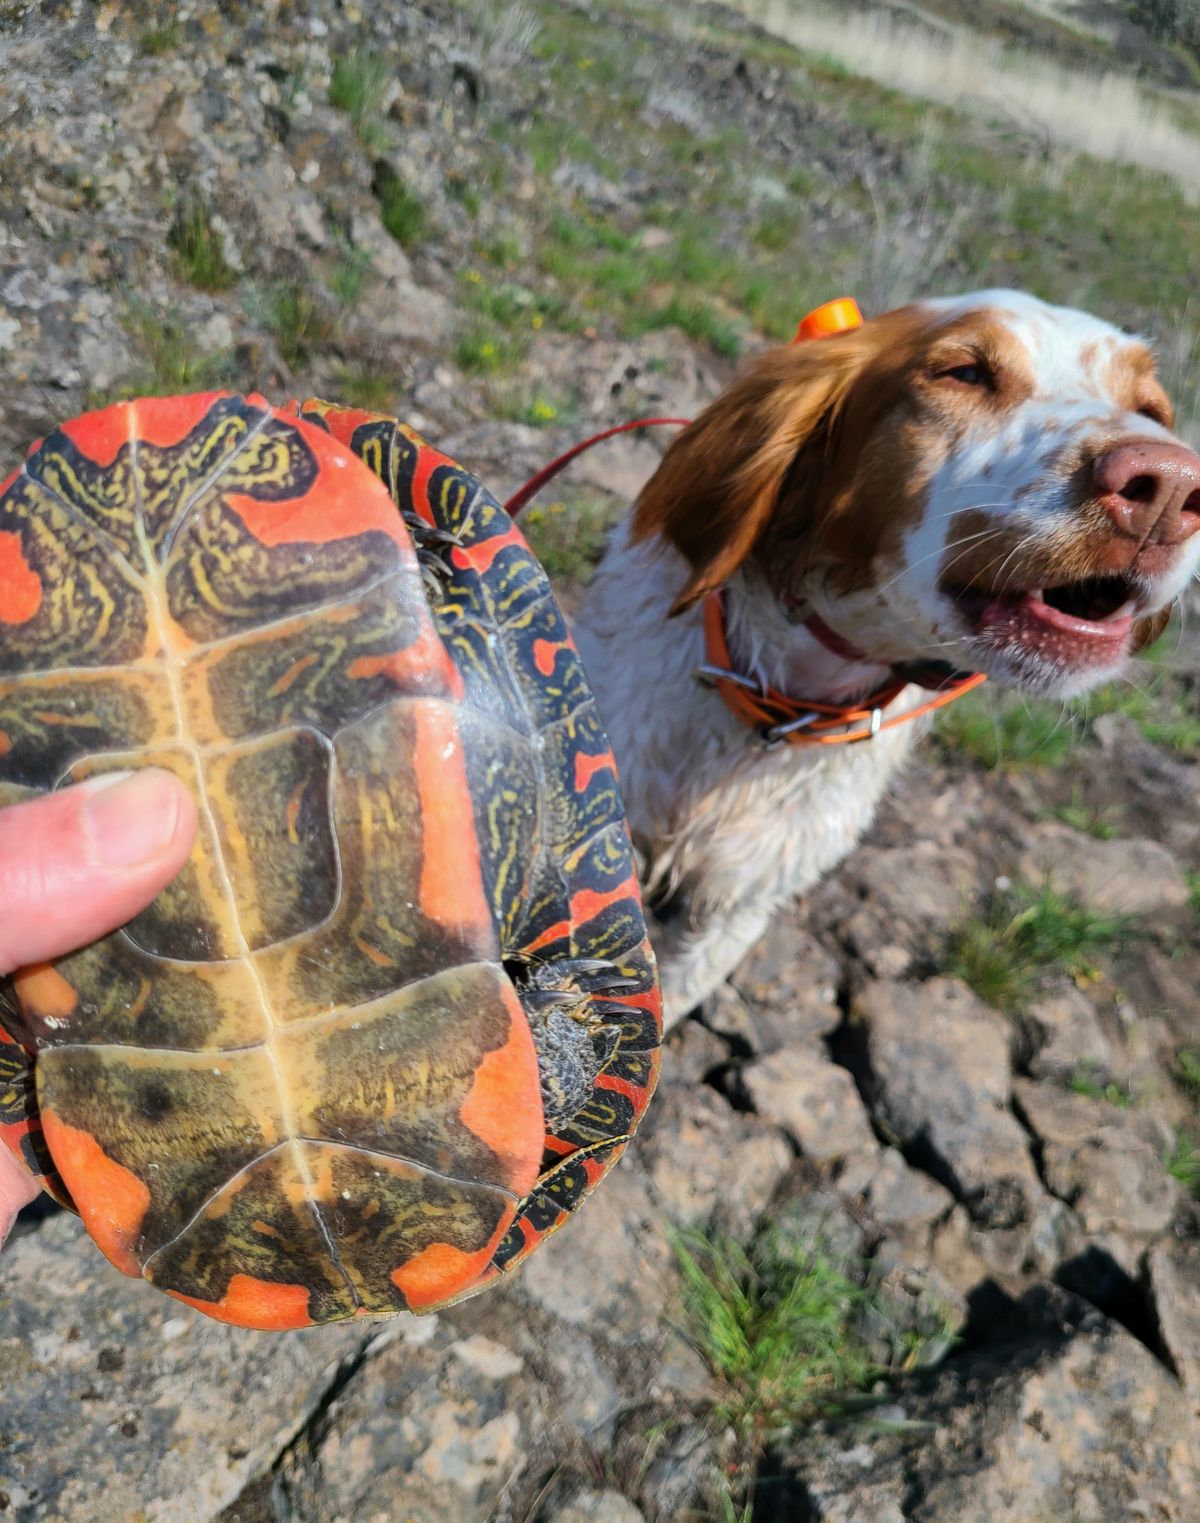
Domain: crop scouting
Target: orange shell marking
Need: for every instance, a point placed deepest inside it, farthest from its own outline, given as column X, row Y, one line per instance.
column 45, row 993
column 248, row 1302
column 112, row 1201
column 545, row 654
column 451, row 873
column 587, row 766
column 504, row 1107
column 350, row 501
column 20, row 589
column 441, row 1271
column 424, row 663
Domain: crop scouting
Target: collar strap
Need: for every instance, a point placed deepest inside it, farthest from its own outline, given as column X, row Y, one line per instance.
column 783, row 720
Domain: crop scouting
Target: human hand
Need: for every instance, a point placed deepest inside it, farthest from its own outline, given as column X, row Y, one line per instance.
column 74, row 865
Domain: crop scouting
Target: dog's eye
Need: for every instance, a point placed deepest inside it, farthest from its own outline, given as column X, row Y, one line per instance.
column 1155, row 413
column 976, row 374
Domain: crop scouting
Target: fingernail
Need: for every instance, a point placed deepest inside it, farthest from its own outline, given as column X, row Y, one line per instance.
column 130, row 818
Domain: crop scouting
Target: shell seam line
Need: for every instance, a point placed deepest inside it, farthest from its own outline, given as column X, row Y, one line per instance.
column 323, row 1142
column 161, row 617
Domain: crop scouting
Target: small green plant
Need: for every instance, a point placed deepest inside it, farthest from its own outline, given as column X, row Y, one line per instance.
column 698, row 319
column 300, row 322
column 569, row 537
column 777, row 1328
column 1183, row 1163
column 1028, row 935
column 484, row 349
column 169, row 360
column 347, row 276
column 1187, row 1070
column 1193, row 887
column 782, row 1326
column 368, row 385
column 1085, row 1082
column 1007, row 731
column 1084, row 817
column 153, row 41
column 400, row 210
column 198, row 251
column 358, row 86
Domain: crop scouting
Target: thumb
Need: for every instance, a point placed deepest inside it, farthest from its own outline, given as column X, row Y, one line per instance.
column 76, row 864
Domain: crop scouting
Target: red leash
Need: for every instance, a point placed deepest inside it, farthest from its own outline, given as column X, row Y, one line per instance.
column 534, row 485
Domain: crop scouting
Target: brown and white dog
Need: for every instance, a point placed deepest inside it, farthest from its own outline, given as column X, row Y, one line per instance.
column 987, row 481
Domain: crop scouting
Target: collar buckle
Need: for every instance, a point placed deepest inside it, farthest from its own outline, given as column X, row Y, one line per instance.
column 774, row 735
column 710, row 676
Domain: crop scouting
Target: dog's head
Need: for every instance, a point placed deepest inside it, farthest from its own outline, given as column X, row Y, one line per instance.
column 987, row 481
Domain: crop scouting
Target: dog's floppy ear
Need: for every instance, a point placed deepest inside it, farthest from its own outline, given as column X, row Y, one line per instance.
column 713, row 494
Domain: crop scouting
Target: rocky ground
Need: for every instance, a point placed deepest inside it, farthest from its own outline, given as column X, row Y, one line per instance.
column 961, row 1082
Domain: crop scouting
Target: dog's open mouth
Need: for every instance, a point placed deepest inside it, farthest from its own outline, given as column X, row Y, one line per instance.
column 1080, row 623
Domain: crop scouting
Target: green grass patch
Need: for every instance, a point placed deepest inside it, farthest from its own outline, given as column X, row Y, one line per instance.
column 782, row 1325
column 1027, row 936
column 1187, row 1070
column 1161, row 715
column 300, row 320
column 347, row 277
column 569, row 537
column 779, row 1331
column 169, row 362
column 154, row 41
column 369, row 385
column 401, row 210
column 1085, row 1082
column 1183, row 1163
column 358, row 85
column 1000, row 730
column 198, row 252
column 698, row 319
column 1084, row 817
column 483, row 348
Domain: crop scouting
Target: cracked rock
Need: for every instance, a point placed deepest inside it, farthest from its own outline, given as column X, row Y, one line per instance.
column 1106, row 1163
column 1111, row 877
column 1059, row 1415
column 121, row 1403
column 597, row 1507
column 814, row 1101
column 434, row 1427
column 1174, row 1283
column 708, row 1163
column 939, row 1060
column 789, row 986
column 1070, row 1036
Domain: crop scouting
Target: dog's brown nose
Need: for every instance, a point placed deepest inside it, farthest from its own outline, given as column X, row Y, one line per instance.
column 1151, row 490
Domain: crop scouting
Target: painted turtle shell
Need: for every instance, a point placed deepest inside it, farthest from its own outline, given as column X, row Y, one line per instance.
column 398, row 1015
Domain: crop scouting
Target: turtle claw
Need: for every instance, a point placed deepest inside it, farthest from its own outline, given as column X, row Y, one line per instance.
column 589, row 965
column 607, row 975
column 429, row 535
column 550, row 999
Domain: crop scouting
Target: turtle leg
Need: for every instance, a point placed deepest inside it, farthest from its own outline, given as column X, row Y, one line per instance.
column 575, row 1040
column 20, row 1122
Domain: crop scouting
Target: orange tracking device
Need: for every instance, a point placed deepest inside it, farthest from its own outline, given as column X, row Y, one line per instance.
column 834, row 317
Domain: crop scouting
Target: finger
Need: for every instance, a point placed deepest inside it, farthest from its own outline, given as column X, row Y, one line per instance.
column 17, row 1189
column 76, row 864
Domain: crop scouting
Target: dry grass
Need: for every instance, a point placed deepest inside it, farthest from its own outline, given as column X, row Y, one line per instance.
column 1109, row 116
